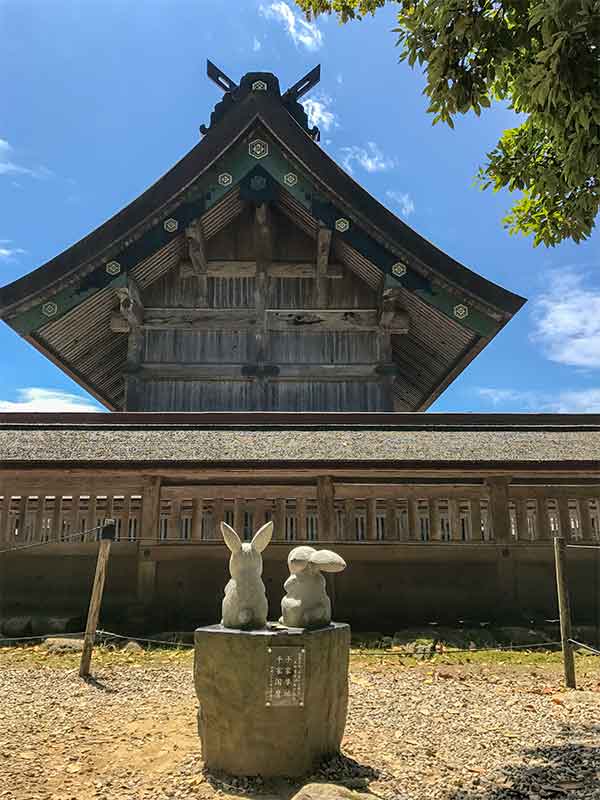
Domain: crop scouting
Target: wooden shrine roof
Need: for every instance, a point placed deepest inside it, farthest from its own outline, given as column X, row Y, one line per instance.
column 63, row 308
column 536, row 442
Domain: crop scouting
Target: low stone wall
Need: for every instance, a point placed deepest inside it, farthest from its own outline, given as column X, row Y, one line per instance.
column 386, row 586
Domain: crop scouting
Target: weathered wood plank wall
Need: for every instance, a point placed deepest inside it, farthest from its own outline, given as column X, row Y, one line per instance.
column 256, row 341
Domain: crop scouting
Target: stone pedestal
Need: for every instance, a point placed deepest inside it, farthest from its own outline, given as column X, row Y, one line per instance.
column 272, row 702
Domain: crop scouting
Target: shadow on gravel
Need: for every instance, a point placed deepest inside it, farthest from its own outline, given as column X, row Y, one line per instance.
column 91, row 681
column 339, row 770
column 558, row 771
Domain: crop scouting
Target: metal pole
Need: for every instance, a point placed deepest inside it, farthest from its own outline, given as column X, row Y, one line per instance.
column 107, row 536
column 564, row 609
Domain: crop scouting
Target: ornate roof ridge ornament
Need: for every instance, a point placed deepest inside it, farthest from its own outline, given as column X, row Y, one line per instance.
column 264, row 83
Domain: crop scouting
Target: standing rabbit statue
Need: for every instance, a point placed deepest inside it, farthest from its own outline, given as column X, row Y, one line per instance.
column 306, row 603
column 245, row 602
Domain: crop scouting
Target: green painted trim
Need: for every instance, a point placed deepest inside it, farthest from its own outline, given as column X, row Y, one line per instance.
column 237, row 168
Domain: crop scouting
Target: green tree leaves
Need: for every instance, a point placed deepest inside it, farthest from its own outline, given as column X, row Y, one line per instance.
column 540, row 56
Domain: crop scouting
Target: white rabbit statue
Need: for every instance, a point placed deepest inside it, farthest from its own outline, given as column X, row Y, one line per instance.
column 245, row 602
column 306, row 603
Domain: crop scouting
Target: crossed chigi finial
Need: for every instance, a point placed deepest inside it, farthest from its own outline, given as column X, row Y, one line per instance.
column 265, row 82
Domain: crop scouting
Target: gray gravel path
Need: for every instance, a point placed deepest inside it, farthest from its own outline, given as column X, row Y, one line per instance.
column 450, row 733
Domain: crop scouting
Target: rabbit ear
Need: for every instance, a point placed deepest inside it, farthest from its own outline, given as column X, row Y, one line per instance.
column 327, row 561
column 262, row 537
column 232, row 540
column 299, row 557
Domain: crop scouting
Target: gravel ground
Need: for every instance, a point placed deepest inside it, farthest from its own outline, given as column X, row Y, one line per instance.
column 468, row 732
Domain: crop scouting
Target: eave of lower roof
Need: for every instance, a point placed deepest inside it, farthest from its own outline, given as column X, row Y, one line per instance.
column 259, row 420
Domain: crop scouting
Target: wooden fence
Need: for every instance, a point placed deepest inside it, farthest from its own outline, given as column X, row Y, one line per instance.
column 325, row 511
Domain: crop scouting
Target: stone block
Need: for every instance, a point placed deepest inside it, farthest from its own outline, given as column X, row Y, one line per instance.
column 250, row 724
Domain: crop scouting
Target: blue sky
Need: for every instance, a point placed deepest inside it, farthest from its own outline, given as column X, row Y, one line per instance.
column 99, row 98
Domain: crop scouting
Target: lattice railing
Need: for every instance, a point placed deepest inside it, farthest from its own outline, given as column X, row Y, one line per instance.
column 359, row 513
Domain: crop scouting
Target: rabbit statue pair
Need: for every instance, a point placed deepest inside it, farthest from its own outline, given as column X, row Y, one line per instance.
column 305, row 605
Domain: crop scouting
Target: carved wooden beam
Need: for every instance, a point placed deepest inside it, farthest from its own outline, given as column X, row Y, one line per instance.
column 263, row 254
column 196, row 248
column 196, row 263
column 131, row 311
column 297, row 320
column 355, row 319
column 245, row 371
column 131, row 307
column 247, row 269
column 323, row 248
column 263, row 235
column 392, row 317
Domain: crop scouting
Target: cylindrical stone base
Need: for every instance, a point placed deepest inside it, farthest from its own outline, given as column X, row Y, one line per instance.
column 272, row 702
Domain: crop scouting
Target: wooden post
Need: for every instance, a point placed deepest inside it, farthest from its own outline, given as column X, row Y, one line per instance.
column 301, row 519
column 564, row 518
column 39, row 518
column 107, row 536
column 521, row 508
column 390, row 520
column 454, row 527
column 349, row 533
column 498, row 509
column 279, row 521
column 564, row 609
column 586, row 520
column 372, row 519
column 435, row 530
column 542, row 523
column 238, row 517
column 476, row 534
column 197, row 518
column 412, row 520
column 325, row 496
column 23, row 519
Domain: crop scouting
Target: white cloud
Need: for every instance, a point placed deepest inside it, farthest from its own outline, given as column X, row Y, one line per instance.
column 298, row 29
column 8, row 252
column 9, row 167
column 567, row 319
column 50, row 400
column 318, row 111
column 403, row 200
column 369, row 158
column 572, row 401
column 256, row 45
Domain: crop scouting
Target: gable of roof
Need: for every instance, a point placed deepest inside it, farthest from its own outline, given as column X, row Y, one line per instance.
column 254, row 149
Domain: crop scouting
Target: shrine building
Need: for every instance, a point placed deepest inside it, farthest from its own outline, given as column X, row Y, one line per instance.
column 266, row 337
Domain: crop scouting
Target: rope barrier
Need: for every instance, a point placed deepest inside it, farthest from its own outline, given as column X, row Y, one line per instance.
column 5, row 639
column 585, row 546
column 113, row 635
column 499, row 649
column 585, row 647
column 141, row 639
column 51, row 541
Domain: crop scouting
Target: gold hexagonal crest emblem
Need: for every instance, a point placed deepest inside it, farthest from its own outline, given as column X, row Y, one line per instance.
column 225, row 179
column 258, row 148
column 461, row 311
column 170, row 225
column 49, row 309
column 342, row 224
column 290, row 179
column 113, row 268
column 399, row 269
